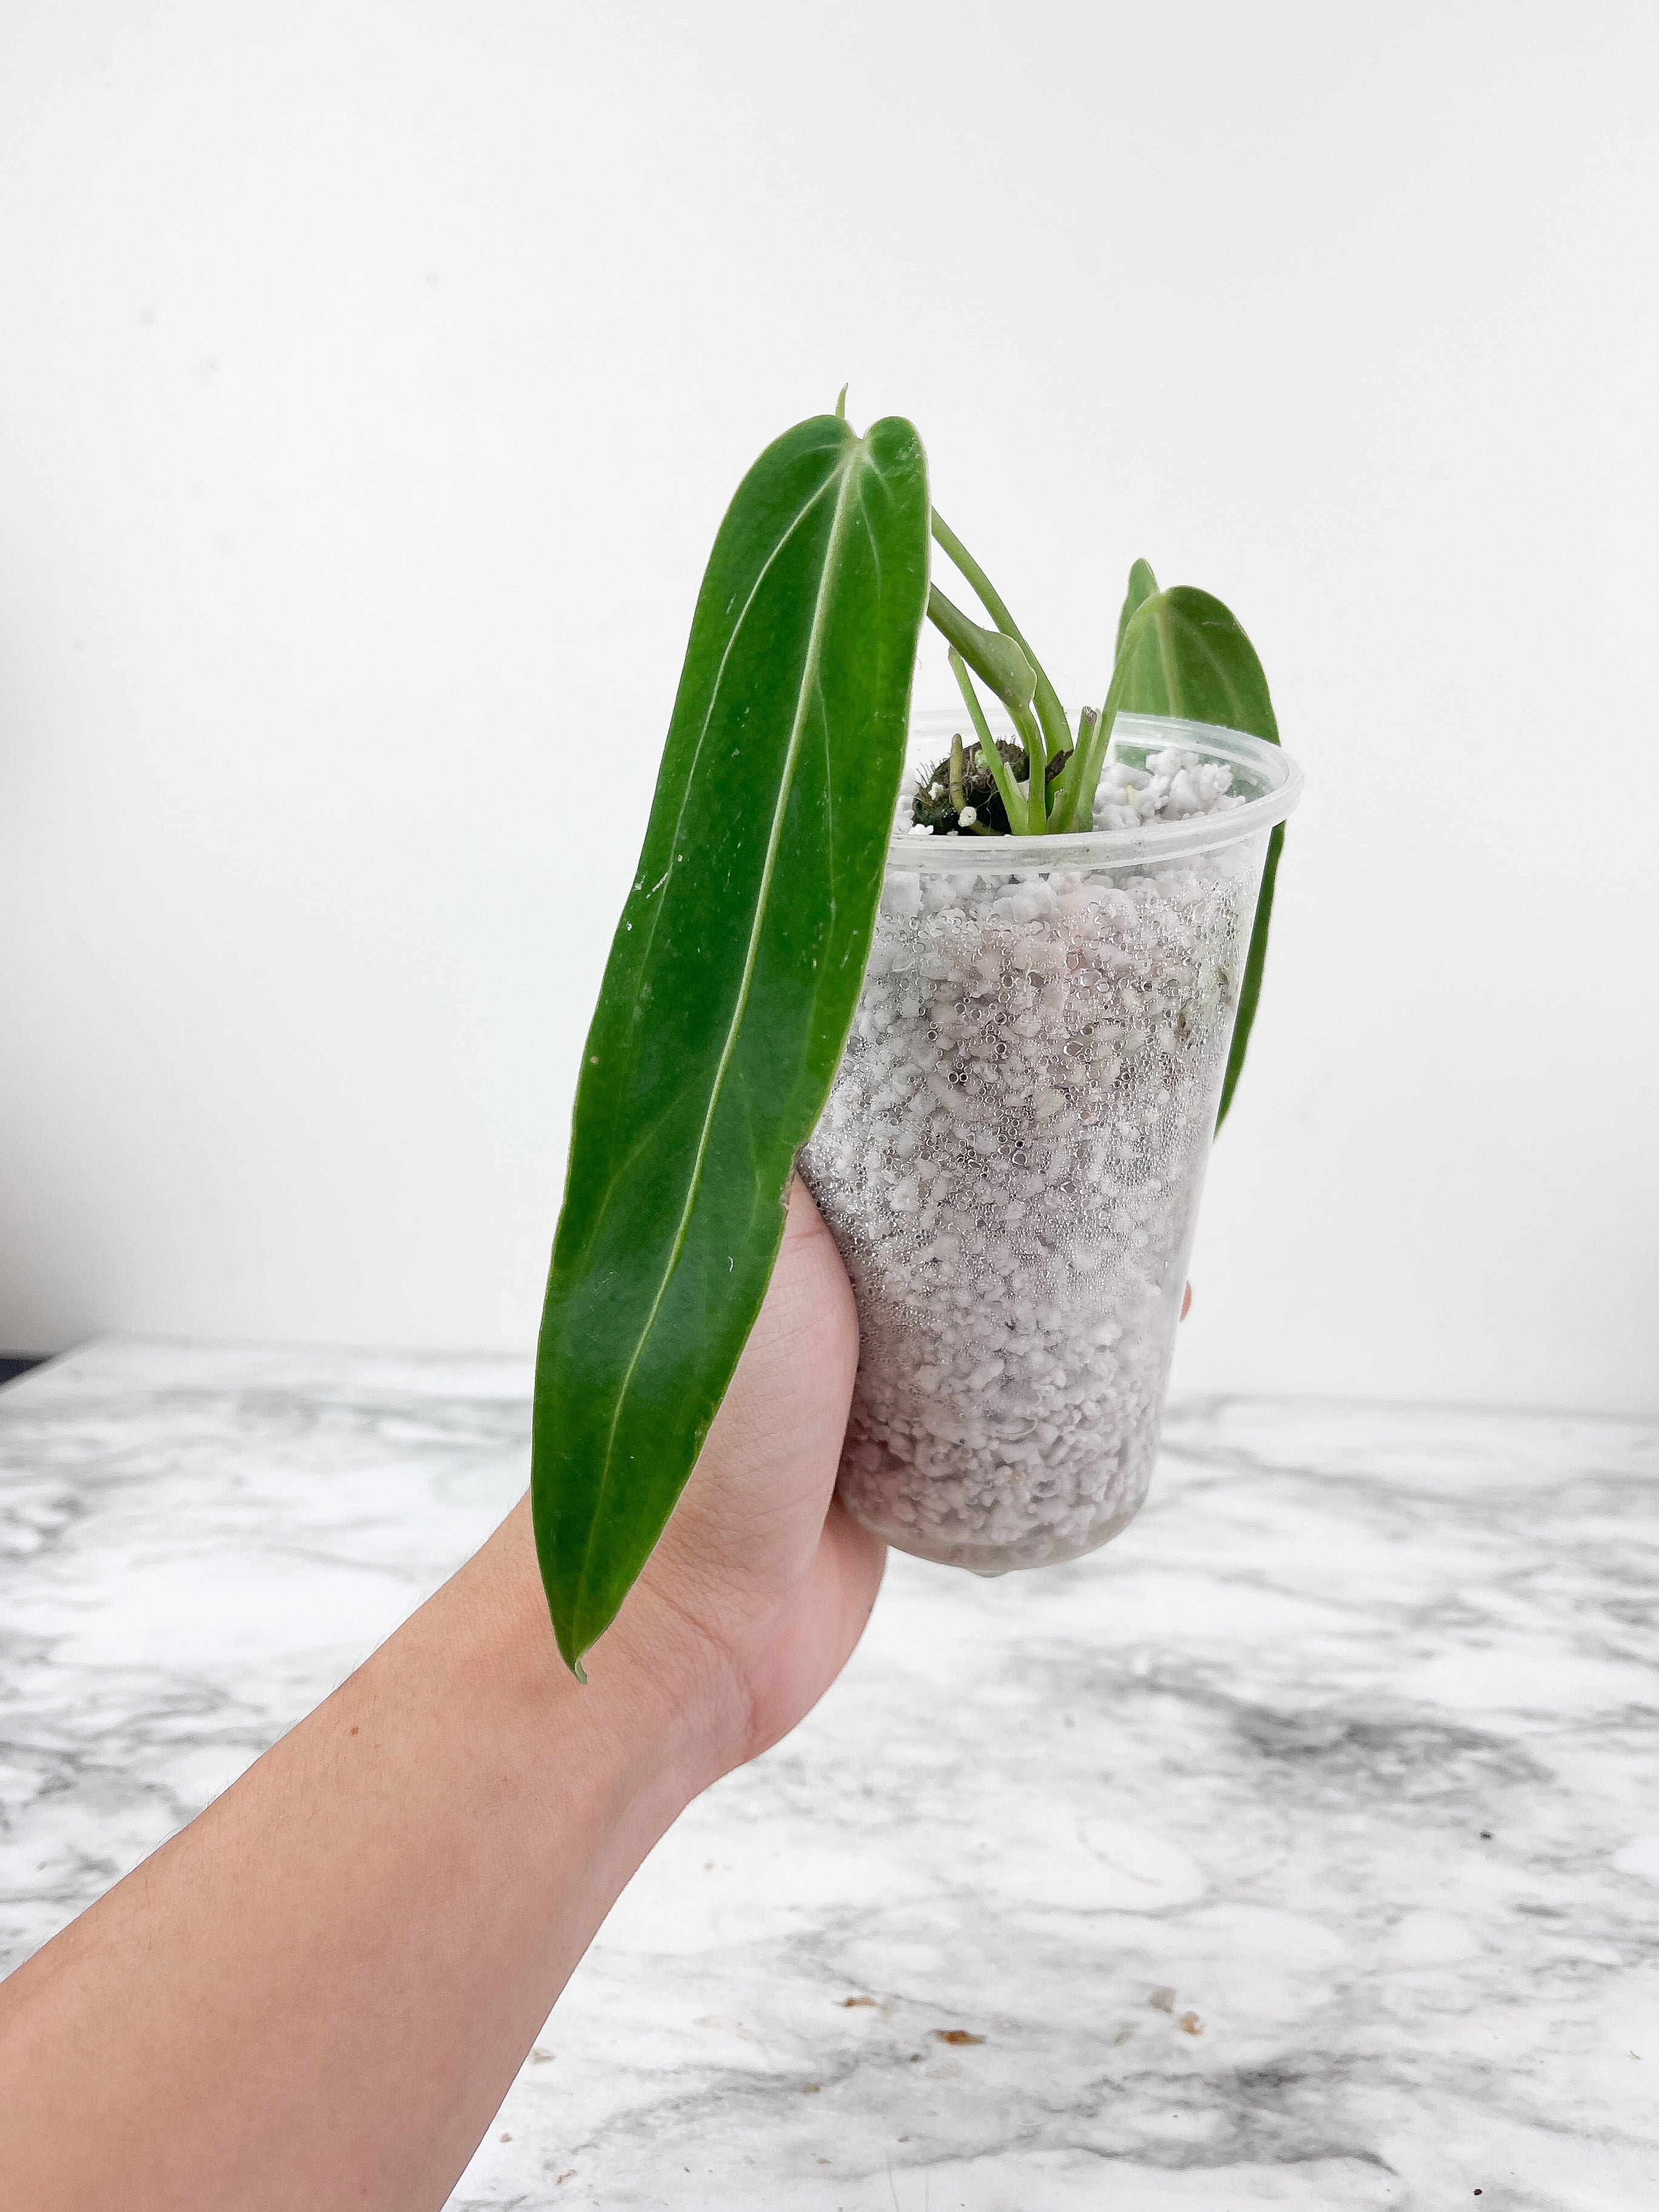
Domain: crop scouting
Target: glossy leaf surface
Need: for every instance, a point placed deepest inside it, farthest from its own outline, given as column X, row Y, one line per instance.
column 1187, row 655
column 1182, row 653
column 732, row 983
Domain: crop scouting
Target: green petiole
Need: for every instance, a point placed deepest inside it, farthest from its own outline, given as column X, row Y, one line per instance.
column 989, row 751
column 1179, row 654
column 1036, row 782
column 958, row 796
column 1090, row 758
column 1057, row 731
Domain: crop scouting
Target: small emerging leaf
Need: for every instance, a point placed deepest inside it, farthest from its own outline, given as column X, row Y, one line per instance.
column 1051, row 715
column 1142, row 585
column 996, row 660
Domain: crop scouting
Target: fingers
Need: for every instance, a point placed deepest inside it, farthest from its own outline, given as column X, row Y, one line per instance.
column 809, row 1297
column 774, row 1446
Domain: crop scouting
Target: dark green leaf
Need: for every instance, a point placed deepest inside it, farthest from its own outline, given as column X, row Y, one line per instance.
column 1255, row 965
column 1181, row 652
column 731, row 986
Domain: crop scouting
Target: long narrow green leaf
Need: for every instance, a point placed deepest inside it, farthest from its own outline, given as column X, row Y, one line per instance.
column 733, row 980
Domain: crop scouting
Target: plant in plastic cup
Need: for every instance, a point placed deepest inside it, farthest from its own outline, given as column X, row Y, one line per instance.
column 998, row 1037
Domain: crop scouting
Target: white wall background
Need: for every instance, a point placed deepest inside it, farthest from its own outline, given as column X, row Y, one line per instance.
column 373, row 377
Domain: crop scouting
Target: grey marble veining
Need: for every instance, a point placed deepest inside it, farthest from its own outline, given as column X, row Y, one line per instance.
column 1301, row 1848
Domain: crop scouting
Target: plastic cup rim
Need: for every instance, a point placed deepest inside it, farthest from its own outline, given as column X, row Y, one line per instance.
column 1155, row 842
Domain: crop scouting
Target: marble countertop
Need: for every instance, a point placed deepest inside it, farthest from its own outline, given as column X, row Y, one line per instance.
column 1301, row 1848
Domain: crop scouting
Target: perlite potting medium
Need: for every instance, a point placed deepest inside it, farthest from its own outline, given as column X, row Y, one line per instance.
column 1012, row 1155
column 996, row 1014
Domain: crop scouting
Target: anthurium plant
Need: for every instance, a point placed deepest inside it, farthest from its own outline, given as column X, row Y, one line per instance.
column 735, row 970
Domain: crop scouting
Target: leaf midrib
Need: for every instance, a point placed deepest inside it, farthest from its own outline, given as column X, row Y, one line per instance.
column 852, row 468
column 657, row 913
column 796, row 520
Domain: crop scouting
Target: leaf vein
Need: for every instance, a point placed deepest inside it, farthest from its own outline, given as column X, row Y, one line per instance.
column 847, row 485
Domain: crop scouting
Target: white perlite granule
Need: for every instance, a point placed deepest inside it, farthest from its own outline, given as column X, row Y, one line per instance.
column 1009, row 1161
column 1173, row 785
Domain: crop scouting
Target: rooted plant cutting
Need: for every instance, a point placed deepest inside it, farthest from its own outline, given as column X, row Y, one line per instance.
column 997, row 1031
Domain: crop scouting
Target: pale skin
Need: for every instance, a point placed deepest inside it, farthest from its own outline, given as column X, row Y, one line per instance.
column 319, row 1992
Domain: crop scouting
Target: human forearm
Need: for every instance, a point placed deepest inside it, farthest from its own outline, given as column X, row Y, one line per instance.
column 317, row 1994
column 320, row 1991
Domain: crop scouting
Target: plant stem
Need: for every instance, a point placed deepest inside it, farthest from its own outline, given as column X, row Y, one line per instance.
column 958, row 796
column 1037, row 786
column 989, row 751
column 1066, row 783
column 1055, row 729
column 1065, row 791
column 1090, row 758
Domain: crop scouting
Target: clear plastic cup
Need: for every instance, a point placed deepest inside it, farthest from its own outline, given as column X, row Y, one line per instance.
column 1012, row 1155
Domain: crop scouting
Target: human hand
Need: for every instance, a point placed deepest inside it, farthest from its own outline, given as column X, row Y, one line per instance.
column 761, row 1564
column 319, row 1991
column 760, row 1558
